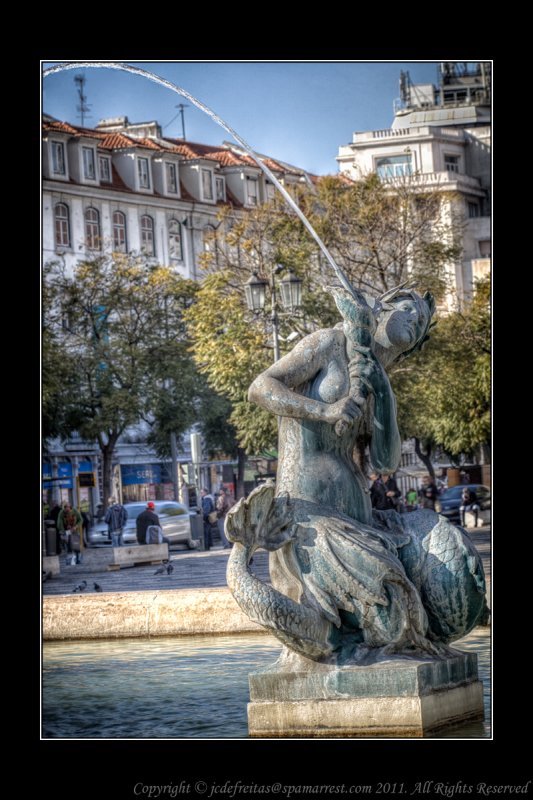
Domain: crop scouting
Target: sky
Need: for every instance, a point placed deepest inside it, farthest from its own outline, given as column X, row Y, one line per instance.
column 299, row 112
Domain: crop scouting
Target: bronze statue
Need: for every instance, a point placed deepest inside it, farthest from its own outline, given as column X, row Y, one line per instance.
column 350, row 584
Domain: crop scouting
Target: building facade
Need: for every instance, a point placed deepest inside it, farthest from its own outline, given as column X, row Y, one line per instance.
column 440, row 140
column 123, row 187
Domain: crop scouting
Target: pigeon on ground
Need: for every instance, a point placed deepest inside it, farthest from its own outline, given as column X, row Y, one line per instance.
column 80, row 587
column 97, row 587
column 170, row 569
column 160, row 571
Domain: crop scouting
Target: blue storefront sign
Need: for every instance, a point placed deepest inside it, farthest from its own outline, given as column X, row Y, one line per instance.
column 140, row 473
column 64, row 473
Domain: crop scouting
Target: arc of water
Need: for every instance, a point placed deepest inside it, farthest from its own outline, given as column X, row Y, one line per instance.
column 184, row 93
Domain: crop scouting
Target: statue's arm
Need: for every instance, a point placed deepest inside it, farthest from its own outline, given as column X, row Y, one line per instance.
column 273, row 389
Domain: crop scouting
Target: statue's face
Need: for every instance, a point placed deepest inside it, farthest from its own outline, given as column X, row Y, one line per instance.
column 401, row 327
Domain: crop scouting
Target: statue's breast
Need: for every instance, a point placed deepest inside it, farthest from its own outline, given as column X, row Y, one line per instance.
column 331, row 383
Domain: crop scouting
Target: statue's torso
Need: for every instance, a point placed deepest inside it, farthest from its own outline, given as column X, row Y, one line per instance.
column 315, row 464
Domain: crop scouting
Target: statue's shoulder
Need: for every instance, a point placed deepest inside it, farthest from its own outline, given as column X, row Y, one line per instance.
column 325, row 338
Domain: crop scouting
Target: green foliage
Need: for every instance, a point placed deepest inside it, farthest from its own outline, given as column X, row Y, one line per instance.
column 229, row 349
column 381, row 235
column 443, row 392
column 115, row 350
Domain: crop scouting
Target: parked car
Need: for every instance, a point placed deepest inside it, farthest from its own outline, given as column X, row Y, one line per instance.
column 449, row 501
column 175, row 519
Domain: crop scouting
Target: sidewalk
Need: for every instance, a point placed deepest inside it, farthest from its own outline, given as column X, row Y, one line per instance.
column 133, row 602
column 192, row 570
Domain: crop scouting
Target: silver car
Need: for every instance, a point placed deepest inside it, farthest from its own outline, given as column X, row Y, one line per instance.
column 174, row 518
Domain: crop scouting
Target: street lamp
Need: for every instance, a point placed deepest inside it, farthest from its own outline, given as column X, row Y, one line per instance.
column 291, row 297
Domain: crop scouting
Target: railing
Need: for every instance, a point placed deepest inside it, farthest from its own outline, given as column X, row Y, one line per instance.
column 415, row 131
column 439, row 178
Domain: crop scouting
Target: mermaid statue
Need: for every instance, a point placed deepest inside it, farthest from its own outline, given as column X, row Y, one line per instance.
column 350, row 585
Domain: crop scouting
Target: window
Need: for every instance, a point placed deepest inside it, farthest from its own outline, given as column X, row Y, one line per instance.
column 172, row 180
column 473, row 210
column 144, row 174
column 104, row 167
column 394, row 166
column 174, row 240
column 221, row 188
column 207, row 184
column 62, row 225
column 92, row 229
column 88, row 163
column 484, row 248
column 270, row 190
column 251, row 191
column 58, row 158
column 451, row 163
column 147, row 235
column 119, row 232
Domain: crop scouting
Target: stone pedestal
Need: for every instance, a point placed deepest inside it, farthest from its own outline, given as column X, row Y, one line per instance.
column 397, row 697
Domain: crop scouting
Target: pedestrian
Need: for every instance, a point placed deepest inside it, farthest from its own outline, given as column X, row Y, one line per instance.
column 412, row 498
column 383, row 492
column 469, row 502
column 149, row 530
column 392, row 492
column 209, row 517
column 222, row 508
column 144, row 520
column 53, row 515
column 428, row 493
column 116, row 517
column 84, row 511
column 378, row 495
column 68, row 521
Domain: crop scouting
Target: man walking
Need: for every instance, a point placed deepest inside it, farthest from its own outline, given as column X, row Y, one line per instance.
column 116, row 517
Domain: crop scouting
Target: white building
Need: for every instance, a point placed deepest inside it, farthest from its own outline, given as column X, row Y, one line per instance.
column 123, row 187
column 440, row 138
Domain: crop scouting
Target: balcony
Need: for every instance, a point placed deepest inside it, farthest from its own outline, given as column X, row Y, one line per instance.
column 415, row 132
column 452, row 181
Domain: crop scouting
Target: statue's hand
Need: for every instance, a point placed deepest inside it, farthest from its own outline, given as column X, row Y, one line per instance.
column 365, row 371
column 344, row 410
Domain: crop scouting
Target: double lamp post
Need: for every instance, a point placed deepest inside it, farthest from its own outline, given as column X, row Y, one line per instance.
column 291, row 297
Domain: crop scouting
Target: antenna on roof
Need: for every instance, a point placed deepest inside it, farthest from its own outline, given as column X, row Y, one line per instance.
column 83, row 108
column 180, row 106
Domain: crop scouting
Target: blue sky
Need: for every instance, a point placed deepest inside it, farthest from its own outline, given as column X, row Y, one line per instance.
column 300, row 112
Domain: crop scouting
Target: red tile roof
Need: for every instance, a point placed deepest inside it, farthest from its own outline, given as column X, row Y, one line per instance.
column 116, row 141
column 63, row 127
column 223, row 155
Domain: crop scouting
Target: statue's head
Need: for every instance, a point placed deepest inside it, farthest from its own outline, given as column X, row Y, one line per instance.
column 403, row 323
column 398, row 321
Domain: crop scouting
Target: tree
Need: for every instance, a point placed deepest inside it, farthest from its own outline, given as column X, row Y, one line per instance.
column 380, row 234
column 115, row 350
column 444, row 392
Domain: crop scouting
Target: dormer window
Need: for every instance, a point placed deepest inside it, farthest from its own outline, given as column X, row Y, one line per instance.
column 89, row 166
column 207, row 184
column 221, row 188
column 143, row 172
column 251, row 191
column 104, row 168
column 58, row 158
column 172, row 178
